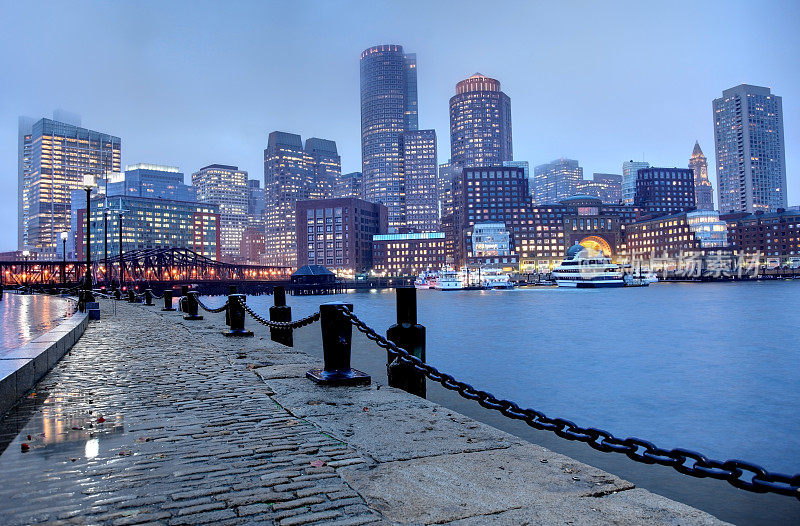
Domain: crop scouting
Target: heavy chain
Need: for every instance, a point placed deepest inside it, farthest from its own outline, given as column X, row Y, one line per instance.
column 211, row 310
column 308, row 320
column 738, row 473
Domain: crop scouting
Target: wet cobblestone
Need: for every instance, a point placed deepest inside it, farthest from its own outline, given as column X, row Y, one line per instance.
column 138, row 424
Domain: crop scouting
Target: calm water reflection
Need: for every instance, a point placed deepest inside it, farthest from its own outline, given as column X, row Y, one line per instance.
column 711, row 367
column 23, row 317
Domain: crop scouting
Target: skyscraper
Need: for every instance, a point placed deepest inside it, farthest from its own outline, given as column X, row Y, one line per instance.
column 388, row 108
column 256, row 201
column 480, row 123
column 419, row 169
column 349, row 185
column 55, row 157
column 629, row 172
column 703, row 193
column 225, row 186
column 606, row 187
column 556, row 180
column 326, row 166
column 294, row 173
column 751, row 162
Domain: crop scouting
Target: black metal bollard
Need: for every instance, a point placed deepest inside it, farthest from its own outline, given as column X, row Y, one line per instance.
column 231, row 290
column 148, row 297
column 236, row 313
column 1, row 292
column 337, row 334
column 409, row 335
column 280, row 312
column 182, row 301
column 168, row 300
column 117, row 294
column 191, row 306
column 131, row 296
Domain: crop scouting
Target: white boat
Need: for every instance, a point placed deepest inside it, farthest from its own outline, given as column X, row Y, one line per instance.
column 425, row 280
column 495, row 278
column 584, row 269
column 448, row 279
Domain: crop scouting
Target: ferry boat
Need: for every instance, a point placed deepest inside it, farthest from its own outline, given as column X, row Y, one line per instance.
column 582, row 269
column 495, row 278
column 425, row 280
column 448, row 279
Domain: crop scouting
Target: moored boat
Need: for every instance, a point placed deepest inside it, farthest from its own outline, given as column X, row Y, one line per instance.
column 583, row 268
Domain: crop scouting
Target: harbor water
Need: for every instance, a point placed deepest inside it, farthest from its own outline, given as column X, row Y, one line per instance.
column 23, row 317
column 711, row 367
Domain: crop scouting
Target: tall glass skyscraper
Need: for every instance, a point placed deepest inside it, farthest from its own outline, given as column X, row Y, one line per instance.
column 419, row 170
column 751, row 161
column 55, row 156
column 630, row 169
column 703, row 193
column 294, row 173
column 556, row 180
column 225, row 186
column 480, row 123
column 388, row 108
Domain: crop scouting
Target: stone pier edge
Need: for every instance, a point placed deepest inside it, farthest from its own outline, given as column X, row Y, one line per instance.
column 23, row 367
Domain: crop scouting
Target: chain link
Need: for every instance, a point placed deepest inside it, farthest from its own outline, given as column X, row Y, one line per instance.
column 738, row 473
column 212, row 310
column 308, row 320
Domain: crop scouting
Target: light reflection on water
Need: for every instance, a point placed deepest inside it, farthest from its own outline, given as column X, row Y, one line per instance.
column 23, row 317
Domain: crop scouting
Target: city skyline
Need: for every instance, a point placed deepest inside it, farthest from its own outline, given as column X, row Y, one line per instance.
column 237, row 137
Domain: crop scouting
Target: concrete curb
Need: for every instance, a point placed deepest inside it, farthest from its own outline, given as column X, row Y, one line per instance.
column 23, row 367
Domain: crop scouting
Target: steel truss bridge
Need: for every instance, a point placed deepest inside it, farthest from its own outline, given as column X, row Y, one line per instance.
column 163, row 265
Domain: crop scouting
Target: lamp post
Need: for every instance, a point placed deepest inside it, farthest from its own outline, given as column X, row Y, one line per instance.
column 105, row 243
column 64, row 236
column 120, row 213
column 88, row 184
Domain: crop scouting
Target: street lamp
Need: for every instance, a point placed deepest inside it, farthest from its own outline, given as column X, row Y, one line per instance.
column 88, row 184
column 120, row 213
column 105, row 243
column 64, row 236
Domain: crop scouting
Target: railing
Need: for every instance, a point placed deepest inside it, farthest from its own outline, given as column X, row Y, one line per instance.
column 407, row 370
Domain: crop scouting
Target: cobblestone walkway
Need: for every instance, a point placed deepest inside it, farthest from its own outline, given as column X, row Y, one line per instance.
column 139, row 425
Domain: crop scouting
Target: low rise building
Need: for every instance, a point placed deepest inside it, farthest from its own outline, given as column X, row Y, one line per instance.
column 774, row 235
column 676, row 234
column 337, row 233
column 489, row 244
column 408, row 254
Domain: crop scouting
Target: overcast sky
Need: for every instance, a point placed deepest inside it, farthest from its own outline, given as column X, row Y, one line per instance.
column 193, row 83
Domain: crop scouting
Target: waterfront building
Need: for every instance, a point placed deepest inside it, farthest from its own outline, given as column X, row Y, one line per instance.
column 630, row 170
column 349, row 185
column 495, row 194
column 256, row 201
column 480, row 123
column 151, row 223
column 661, row 191
column 751, row 161
column 325, row 166
column 418, row 148
column 684, row 234
column 55, row 157
column 388, row 108
column 292, row 173
column 578, row 220
column 337, row 233
column 703, row 192
column 226, row 187
column 408, row 254
column 556, row 180
column 606, row 187
column 773, row 235
column 489, row 244
column 151, row 180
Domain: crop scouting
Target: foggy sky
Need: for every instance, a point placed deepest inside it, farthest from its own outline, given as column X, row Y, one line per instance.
column 194, row 83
